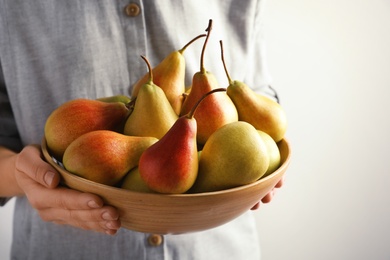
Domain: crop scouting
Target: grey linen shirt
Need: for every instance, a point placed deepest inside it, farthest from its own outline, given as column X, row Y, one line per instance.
column 52, row 51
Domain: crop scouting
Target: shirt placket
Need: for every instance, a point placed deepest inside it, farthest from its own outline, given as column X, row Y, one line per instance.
column 154, row 247
column 134, row 30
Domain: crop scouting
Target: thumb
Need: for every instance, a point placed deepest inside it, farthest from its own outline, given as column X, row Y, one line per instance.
column 30, row 163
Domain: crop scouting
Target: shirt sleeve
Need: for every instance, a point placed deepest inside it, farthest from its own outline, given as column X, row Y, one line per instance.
column 9, row 135
column 258, row 75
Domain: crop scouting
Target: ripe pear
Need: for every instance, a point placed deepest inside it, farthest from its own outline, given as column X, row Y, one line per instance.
column 152, row 114
column 262, row 112
column 117, row 98
column 171, row 164
column 273, row 152
column 105, row 156
column 169, row 74
column 218, row 111
column 234, row 155
column 133, row 181
column 79, row 116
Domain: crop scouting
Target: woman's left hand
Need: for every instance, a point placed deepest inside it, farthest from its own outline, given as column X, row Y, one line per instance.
column 267, row 198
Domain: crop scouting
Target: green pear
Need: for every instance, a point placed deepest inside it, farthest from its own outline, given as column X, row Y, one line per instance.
column 79, row 116
column 273, row 152
column 129, row 103
column 152, row 113
column 234, row 155
column 218, row 110
column 117, row 98
column 105, row 156
column 133, row 181
column 169, row 74
column 262, row 112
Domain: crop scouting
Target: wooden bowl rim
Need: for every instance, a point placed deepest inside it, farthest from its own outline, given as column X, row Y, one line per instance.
column 282, row 167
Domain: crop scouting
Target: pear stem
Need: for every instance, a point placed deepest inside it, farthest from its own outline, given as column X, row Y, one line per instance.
column 190, row 42
column 192, row 112
column 208, row 30
column 149, row 68
column 130, row 106
column 131, row 103
column 224, row 64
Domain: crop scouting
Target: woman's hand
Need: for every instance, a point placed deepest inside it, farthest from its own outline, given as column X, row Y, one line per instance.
column 39, row 182
column 267, row 198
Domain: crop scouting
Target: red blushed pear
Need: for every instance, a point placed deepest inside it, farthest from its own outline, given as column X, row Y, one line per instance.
column 218, row 110
column 79, row 116
column 171, row 164
column 169, row 75
column 105, row 156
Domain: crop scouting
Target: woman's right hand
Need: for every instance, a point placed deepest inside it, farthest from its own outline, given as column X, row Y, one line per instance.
column 39, row 182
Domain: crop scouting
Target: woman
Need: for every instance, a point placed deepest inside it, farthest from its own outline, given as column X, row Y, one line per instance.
column 54, row 51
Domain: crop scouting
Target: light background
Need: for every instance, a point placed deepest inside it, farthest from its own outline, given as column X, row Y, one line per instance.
column 330, row 62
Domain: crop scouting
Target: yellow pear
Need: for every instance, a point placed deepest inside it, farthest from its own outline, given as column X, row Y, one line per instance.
column 152, row 113
column 234, row 155
column 262, row 112
column 134, row 182
column 273, row 152
column 105, row 156
column 169, row 74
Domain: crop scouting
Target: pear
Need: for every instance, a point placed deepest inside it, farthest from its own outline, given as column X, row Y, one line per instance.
column 262, row 112
column 152, row 114
column 117, row 98
column 171, row 164
column 133, row 181
column 273, row 152
column 79, row 116
column 218, row 111
column 234, row 155
column 105, row 156
column 169, row 74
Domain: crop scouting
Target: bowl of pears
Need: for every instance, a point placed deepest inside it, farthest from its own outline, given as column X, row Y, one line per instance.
column 172, row 160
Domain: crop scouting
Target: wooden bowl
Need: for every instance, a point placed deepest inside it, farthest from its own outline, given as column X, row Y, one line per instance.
column 179, row 213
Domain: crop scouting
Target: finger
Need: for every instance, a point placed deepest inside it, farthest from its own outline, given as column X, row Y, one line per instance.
column 256, row 206
column 106, row 213
column 29, row 162
column 41, row 197
column 107, row 227
column 62, row 198
column 280, row 183
column 267, row 198
column 101, row 220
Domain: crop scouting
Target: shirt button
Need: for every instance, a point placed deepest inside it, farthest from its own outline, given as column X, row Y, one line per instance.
column 155, row 240
column 132, row 10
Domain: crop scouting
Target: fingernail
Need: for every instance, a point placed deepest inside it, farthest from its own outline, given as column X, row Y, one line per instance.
column 109, row 225
column 107, row 216
column 92, row 204
column 49, row 176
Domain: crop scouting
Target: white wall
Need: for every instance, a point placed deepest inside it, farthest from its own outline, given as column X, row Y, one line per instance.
column 330, row 61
